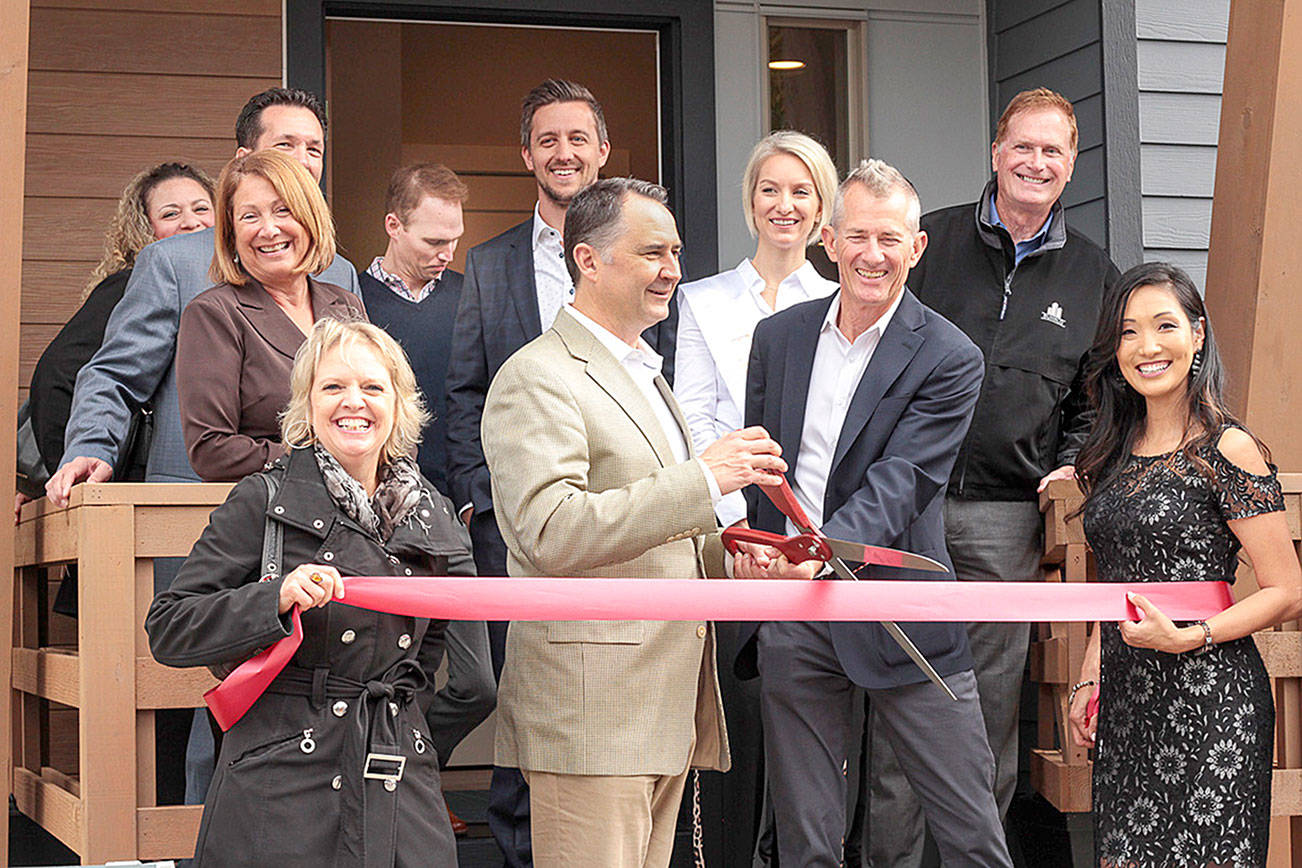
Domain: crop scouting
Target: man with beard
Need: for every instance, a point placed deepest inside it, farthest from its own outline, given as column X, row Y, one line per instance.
column 514, row 286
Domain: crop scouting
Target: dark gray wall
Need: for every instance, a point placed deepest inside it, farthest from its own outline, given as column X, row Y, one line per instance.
column 1084, row 49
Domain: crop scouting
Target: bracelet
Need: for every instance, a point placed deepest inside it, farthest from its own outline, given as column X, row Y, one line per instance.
column 1076, row 688
column 1207, row 640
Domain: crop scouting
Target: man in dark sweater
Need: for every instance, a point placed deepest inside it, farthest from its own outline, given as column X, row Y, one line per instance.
column 1026, row 288
column 412, row 294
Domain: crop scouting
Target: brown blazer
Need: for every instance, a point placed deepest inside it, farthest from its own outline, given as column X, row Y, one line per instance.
column 234, row 353
column 585, row 484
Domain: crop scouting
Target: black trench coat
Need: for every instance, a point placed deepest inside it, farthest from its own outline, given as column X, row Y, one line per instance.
column 290, row 787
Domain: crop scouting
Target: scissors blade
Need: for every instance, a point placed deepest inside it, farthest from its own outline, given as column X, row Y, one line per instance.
column 882, row 556
column 893, row 630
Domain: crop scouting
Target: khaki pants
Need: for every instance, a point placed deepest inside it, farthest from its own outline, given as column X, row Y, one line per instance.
column 622, row 821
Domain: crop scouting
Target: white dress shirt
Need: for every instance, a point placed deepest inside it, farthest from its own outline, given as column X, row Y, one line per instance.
column 550, row 277
column 643, row 366
column 716, row 319
column 839, row 365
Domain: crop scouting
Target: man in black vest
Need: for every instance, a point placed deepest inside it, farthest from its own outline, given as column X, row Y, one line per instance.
column 1026, row 288
column 412, row 294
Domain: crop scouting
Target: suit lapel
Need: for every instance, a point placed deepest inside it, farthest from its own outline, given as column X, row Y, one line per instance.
column 672, row 403
column 801, row 347
column 895, row 350
column 606, row 371
column 269, row 321
column 520, row 279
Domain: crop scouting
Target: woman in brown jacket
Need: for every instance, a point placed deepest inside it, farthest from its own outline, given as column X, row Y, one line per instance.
column 237, row 340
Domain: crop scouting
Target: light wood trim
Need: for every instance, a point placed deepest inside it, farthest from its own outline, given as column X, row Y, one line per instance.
column 48, row 674
column 14, row 35
column 1281, row 651
column 159, row 686
column 168, row 832
column 53, row 808
column 61, row 780
column 169, row 531
column 107, row 719
column 208, row 494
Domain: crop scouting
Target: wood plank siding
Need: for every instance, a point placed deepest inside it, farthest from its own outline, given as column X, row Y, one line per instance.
column 115, row 86
column 1059, row 45
column 1181, row 64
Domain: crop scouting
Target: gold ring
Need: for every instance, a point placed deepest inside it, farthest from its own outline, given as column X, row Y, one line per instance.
column 318, row 578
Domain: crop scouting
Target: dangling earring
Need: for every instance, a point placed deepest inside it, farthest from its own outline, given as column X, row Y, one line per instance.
column 1196, row 365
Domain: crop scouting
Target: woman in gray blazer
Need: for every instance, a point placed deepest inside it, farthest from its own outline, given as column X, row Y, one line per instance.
column 237, row 340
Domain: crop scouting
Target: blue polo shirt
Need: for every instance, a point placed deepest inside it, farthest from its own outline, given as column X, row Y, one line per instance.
column 1022, row 248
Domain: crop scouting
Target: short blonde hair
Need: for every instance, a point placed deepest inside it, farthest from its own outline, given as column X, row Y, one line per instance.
column 808, row 151
column 1030, row 100
column 409, row 413
column 301, row 195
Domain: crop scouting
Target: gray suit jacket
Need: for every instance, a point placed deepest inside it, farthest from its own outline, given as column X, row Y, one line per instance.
column 585, row 484
column 135, row 362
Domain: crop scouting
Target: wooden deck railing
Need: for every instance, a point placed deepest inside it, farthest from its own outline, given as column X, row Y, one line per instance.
column 85, row 690
column 1060, row 770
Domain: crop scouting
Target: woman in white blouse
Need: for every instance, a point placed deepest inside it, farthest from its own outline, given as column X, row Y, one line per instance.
column 787, row 194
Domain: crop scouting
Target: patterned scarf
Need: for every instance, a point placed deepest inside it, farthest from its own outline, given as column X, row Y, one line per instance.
column 395, row 497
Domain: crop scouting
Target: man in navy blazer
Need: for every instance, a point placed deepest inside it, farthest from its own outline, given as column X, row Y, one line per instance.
column 870, row 394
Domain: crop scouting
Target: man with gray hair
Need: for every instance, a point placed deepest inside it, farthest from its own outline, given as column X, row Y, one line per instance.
column 870, row 393
column 593, row 474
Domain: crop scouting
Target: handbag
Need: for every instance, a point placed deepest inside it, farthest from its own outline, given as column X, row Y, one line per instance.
column 273, row 544
column 133, row 457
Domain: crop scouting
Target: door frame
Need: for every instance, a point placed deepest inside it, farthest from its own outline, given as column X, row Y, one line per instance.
column 686, row 46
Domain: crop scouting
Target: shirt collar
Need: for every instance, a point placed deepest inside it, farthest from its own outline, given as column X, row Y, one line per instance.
column 623, row 353
column 542, row 231
column 395, row 282
column 1035, row 240
column 806, row 277
column 834, row 309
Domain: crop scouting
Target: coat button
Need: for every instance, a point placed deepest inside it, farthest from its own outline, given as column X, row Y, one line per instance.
column 348, row 637
column 407, row 570
column 329, row 556
column 700, row 632
column 404, row 641
column 337, row 782
column 424, row 513
column 390, row 785
column 280, row 510
column 340, row 708
column 318, row 524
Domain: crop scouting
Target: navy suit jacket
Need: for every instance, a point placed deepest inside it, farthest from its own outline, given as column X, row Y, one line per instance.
column 892, row 462
column 497, row 315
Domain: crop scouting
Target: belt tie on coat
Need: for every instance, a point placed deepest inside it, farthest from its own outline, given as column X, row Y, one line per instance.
column 372, row 760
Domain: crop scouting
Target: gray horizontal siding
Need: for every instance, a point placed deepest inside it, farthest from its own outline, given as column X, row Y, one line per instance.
column 1181, row 67
column 1179, row 118
column 1188, row 20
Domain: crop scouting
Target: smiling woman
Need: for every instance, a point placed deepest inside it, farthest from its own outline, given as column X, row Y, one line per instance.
column 237, row 340
column 298, row 784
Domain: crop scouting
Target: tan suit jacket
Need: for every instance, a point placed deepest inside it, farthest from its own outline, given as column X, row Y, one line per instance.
column 585, row 484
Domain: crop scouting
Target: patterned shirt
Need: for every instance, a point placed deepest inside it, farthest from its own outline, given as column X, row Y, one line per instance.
column 396, row 283
column 551, row 278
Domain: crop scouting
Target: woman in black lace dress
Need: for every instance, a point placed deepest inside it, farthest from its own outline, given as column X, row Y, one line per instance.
column 1175, row 489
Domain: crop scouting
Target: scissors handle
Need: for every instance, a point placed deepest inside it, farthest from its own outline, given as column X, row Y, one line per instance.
column 798, row 549
column 785, row 500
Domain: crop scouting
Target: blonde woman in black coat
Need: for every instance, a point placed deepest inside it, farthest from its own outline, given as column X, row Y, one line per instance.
column 290, row 786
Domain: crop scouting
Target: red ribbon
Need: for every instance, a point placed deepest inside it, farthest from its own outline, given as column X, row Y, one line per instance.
column 533, row 599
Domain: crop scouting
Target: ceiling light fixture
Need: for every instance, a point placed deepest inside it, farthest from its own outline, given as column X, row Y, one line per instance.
column 786, row 65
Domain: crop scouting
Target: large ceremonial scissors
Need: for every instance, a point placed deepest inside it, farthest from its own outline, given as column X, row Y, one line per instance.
column 812, row 544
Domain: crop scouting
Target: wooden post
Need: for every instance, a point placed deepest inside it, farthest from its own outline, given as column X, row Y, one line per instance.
column 1255, row 256
column 13, row 156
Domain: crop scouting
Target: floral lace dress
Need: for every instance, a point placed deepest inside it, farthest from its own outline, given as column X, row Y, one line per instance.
column 1182, row 768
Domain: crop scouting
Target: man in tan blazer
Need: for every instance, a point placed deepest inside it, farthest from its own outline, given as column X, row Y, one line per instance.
column 593, row 475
